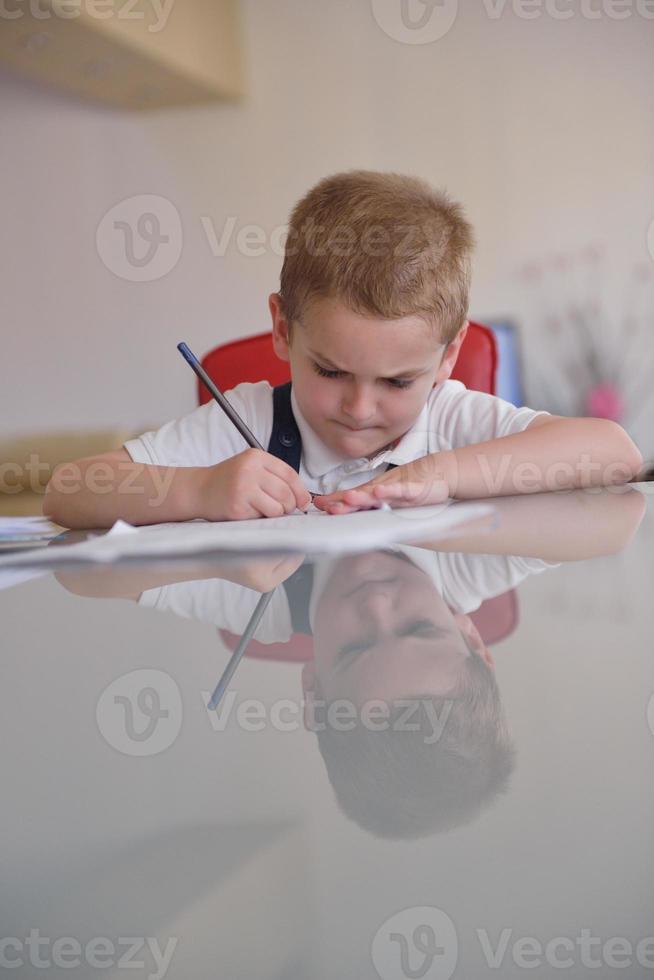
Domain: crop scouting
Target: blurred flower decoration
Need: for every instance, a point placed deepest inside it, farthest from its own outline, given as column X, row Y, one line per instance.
column 601, row 365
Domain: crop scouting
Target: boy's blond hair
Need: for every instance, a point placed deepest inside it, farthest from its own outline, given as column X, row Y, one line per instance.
column 395, row 783
column 383, row 244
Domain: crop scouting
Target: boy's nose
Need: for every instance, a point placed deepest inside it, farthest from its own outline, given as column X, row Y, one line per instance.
column 376, row 607
column 358, row 406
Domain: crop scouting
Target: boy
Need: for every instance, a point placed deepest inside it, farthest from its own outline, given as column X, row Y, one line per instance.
column 371, row 315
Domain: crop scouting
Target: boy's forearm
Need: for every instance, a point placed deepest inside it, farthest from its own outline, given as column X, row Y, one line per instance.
column 559, row 454
column 555, row 526
column 95, row 493
column 124, row 582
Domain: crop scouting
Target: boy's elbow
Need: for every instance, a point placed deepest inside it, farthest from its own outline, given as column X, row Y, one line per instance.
column 637, row 463
column 630, row 456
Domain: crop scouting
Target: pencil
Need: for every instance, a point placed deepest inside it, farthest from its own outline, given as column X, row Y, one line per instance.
column 214, row 390
column 237, row 656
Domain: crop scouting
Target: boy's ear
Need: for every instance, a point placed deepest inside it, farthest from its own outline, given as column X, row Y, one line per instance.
column 280, row 336
column 450, row 356
column 473, row 636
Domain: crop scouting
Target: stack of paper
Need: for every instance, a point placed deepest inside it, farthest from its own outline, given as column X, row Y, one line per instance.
column 313, row 533
column 26, row 532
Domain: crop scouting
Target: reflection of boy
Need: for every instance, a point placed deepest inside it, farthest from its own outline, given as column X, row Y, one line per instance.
column 390, row 627
column 383, row 633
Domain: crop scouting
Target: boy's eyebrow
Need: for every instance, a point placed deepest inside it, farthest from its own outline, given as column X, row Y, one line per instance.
column 400, row 374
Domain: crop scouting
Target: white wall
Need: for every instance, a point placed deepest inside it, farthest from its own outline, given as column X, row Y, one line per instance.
column 543, row 128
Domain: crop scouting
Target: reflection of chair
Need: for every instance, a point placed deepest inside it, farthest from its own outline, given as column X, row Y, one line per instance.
column 299, row 648
column 253, row 359
column 495, row 619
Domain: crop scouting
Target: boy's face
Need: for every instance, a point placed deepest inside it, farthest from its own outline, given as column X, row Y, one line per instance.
column 360, row 382
column 382, row 631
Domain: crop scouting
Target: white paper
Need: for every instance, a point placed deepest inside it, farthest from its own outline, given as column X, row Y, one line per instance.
column 312, row 533
column 28, row 527
column 10, row 577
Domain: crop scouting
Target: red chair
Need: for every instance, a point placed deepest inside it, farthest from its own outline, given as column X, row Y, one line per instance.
column 253, row 359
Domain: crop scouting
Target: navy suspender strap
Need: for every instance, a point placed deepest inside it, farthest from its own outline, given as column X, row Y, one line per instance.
column 285, row 439
column 286, row 444
column 298, row 588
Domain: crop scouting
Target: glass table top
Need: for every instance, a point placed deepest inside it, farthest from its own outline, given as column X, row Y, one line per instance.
column 433, row 760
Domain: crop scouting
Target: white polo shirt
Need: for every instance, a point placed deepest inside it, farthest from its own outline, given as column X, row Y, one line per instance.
column 452, row 417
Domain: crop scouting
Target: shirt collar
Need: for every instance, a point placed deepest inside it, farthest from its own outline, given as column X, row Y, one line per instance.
column 414, row 443
column 318, row 459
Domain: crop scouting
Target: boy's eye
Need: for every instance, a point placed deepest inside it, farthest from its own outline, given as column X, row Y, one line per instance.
column 393, row 382
column 324, row 373
column 423, row 628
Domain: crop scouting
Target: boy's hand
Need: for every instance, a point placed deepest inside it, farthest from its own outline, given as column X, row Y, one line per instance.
column 251, row 484
column 414, row 484
column 264, row 574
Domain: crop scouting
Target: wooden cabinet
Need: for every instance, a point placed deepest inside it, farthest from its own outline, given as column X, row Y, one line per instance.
column 136, row 55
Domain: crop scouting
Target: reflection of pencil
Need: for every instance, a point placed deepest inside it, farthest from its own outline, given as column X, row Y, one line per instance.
column 237, row 656
column 232, row 415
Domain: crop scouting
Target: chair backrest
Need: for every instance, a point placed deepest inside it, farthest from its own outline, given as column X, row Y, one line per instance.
column 253, row 359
